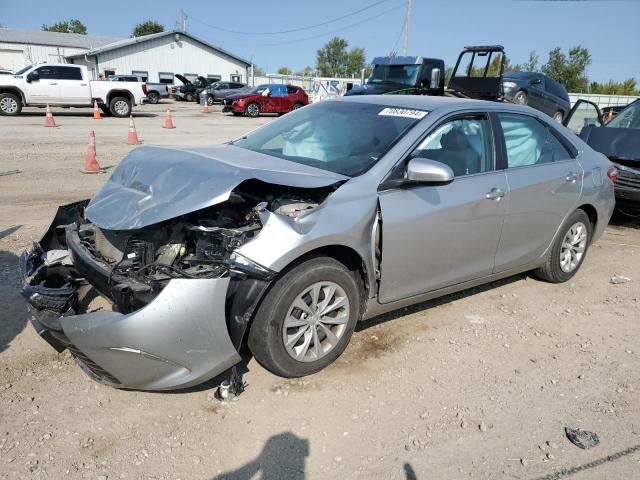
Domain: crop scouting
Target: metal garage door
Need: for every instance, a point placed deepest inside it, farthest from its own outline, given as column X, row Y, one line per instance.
column 11, row 59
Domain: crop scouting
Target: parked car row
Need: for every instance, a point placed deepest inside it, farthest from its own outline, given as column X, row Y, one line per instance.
column 155, row 91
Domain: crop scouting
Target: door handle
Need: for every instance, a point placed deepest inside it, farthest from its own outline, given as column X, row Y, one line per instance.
column 83, row 84
column 53, row 83
column 571, row 177
column 495, row 194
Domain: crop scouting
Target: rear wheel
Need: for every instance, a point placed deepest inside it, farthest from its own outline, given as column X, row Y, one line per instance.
column 569, row 249
column 252, row 110
column 521, row 97
column 120, row 107
column 306, row 320
column 153, row 97
column 10, row 104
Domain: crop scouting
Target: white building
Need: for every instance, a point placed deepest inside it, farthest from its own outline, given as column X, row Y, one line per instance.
column 19, row 48
column 158, row 57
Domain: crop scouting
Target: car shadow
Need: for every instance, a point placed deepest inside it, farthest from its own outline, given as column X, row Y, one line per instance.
column 283, row 456
column 58, row 113
column 625, row 218
column 14, row 315
column 418, row 307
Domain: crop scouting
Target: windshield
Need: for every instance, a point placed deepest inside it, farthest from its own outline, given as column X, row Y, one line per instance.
column 342, row 137
column 22, row 70
column 258, row 89
column 627, row 118
column 403, row 74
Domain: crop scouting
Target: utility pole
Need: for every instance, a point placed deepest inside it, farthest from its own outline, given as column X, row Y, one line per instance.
column 183, row 21
column 407, row 19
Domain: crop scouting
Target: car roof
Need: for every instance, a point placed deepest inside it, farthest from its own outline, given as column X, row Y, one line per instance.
column 424, row 102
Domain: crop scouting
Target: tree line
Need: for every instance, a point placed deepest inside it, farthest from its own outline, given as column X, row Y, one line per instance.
column 74, row 25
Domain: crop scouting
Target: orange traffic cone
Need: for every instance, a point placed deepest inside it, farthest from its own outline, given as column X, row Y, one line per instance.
column 205, row 109
column 91, row 164
column 96, row 111
column 168, row 122
column 49, row 122
column 132, row 138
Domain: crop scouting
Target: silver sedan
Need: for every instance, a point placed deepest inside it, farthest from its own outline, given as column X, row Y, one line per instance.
column 284, row 239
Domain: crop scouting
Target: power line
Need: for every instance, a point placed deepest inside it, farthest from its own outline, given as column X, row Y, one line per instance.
column 309, row 27
column 316, row 36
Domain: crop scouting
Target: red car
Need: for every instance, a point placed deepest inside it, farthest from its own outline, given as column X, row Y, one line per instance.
column 269, row 98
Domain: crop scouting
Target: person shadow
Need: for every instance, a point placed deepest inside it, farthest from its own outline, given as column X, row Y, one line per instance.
column 282, row 457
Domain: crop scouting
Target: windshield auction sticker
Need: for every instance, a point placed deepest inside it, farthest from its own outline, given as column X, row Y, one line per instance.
column 403, row 112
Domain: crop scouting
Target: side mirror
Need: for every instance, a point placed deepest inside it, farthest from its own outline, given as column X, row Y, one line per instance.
column 33, row 77
column 428, row 172
column 435, row 78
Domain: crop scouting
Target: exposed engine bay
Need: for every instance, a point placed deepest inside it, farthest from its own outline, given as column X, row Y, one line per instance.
column 139, row 263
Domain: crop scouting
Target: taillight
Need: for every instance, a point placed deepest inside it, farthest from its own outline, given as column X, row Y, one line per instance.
column 612, row 173
column 144, row 88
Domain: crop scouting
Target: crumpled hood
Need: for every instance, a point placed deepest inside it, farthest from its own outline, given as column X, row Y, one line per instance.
column 154, row 184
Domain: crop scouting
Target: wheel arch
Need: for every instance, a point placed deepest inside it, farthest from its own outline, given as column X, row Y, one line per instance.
column 120, row 93
column 591, row 212
column 15, row 91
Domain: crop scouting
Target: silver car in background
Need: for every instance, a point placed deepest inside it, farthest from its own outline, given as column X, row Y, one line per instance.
column 287, row 237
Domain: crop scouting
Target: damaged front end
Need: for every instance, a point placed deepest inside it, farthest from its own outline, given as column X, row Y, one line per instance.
column 162, row 306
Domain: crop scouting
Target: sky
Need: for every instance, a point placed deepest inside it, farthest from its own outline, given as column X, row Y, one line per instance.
column 438, row 28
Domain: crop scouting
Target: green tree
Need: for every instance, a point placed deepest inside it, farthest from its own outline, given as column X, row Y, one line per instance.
column 147, row 28
column 305, row 72
column 570, row 71
column 532, row 64
column 284, row 71
column 628, row 87
column 66, row 26
column 333, row 59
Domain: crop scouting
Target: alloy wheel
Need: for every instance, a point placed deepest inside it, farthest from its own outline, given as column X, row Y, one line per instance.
column 121, row 107
column 253, row 110
column 573, row 247
column 315, row 321
column 8, row 105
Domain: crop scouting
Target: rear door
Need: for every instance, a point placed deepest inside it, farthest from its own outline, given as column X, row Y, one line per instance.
column 436, row 236
column 583, row 114
column 545, row 182
column 538, row 97
column 74, row 89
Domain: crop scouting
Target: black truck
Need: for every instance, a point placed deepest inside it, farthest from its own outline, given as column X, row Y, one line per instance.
column 477, row 74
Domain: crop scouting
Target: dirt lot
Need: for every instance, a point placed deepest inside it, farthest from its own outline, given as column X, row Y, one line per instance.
column 478, row 385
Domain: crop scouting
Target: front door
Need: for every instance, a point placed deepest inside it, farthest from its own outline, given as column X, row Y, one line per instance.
column 46, row 89
column 436, row 236
column 545, row 181
column 583, row 114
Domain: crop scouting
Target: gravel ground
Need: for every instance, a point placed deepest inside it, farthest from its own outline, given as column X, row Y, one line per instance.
column 477, row 385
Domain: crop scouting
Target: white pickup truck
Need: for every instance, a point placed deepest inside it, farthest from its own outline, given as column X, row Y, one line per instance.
column 66, row 85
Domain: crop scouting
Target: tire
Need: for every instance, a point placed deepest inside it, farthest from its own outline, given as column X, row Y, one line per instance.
column 120, row 107
column 252, row 110
column 188, row 97
column 558, row 116
column 153, row 97
column 296, row 106
column 10, row 104
column 210, row 100
column 268, row 332
column 521, row 98
column 553, row 269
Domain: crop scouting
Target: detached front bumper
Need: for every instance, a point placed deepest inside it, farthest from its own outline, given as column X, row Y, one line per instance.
column 177, row 340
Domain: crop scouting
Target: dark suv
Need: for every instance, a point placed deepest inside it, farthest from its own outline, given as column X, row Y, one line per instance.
column 538, row 91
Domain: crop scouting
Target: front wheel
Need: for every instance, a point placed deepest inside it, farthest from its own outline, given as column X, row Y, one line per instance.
column 568, row 250
column 296, row 106
column 306, row 320
column 10, row 104
column 210, row 100
column 252, row 110
column 188, row 97
column 120, row 107
column 521, row 98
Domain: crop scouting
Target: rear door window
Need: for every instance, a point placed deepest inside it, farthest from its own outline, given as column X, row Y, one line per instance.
column 529, row 142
